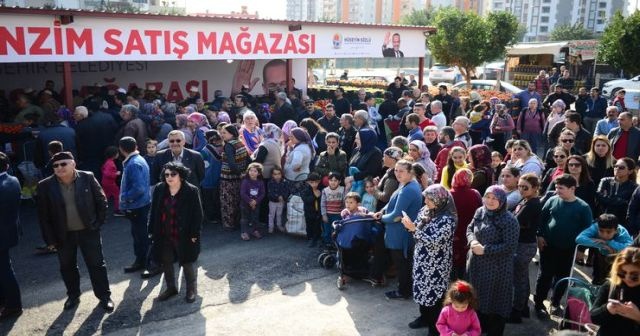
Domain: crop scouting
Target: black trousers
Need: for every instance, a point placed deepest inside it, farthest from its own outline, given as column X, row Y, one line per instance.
column 9, row 289
column 211, row 203
column 601, row 267
column 429, row 315
column 380, row 257
column 555, row 264
column 492, row 324
column 403, row 265
column 168, row 258
column 90, row 244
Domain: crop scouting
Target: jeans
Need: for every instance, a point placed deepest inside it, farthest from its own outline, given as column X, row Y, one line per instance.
column 327, row 228
column 90, row 244
column 140, row 233
column 9, row 289
column 555, row 264
column 403, row 266
column 521, row 286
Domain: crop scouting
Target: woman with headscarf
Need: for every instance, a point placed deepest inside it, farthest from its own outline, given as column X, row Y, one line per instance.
column 269, row 152
column 432, row 232
column 317, row 133
column 286, row 133
column 234, row 162
column 467, row 200
column 297, row 163
column 479, row 157
column 182, row 120
column 199, row 125
column 223, row 117
column 250, row 132
column 420, row 153
column 493, row 240
column 366, row 159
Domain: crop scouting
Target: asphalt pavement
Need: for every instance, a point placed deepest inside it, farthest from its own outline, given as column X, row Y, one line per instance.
column 273, row 286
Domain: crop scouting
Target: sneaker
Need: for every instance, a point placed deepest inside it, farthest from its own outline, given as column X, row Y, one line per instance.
column 418, row 323
column 392, row 295
column 257, row 234
column 270, row 230
column 245, row 237
column 541, row 313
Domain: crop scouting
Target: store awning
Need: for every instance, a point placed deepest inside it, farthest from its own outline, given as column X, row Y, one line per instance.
column 551, row 48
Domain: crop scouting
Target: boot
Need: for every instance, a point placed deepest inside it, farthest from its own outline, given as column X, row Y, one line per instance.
column 190, row 297
column 168, row 293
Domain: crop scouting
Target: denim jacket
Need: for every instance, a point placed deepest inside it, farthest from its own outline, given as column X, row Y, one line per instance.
column 134, row 189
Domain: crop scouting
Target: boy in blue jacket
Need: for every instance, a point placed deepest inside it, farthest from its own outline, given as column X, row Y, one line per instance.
column 607, row 237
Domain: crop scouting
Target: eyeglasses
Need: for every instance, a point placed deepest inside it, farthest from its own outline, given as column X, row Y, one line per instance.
column 567, row 140
column 633, row 276
column 523, row 187
column 172, row 174
column 175, row 141
column 575, row 164
column 620, row 167
column 559, row 156
column 61, row 164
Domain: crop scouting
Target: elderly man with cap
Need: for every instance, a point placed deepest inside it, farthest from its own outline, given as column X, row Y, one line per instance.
column 71, row 209
column 177, row 152
column 310, row 111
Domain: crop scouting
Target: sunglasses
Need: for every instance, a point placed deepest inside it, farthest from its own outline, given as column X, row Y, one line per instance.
column 559, row 156
column 567, row 140
column 170, row 174
column 575, row 164
column 633, row 276
column 61, row 164
column 175, row 141
column 523, row 187
column 620, row 167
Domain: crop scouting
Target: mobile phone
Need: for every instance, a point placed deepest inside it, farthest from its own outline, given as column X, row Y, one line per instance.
column 404, row 214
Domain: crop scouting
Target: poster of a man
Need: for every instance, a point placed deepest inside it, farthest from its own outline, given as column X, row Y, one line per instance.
column 395, row 42
column 274, row 76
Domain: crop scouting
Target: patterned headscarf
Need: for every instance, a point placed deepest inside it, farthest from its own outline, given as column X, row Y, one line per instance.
column 462, row 179
column 287, row 127
column 199, row 119
column 394, row 153
column 481, row 156
column 425, row 159
column 422, row 149
column 501, row 195
column 272, row 131
column 443, row 201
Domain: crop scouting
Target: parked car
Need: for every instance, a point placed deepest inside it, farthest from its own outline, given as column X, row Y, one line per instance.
column 610, row 88
column 489, row 70
column 487, row 84
column 444, row 73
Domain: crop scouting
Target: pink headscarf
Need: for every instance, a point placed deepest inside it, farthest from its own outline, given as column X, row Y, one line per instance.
column 199, row 119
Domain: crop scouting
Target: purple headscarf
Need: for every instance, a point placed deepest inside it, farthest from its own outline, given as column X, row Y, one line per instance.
column 303, row 138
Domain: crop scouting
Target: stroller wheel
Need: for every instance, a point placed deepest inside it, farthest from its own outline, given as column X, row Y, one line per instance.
column 328, row 261
column 321, row 257
column 341, row 283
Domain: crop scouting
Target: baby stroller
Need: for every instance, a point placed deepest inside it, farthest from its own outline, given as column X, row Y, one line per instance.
column 577, row 301
column 353, row 240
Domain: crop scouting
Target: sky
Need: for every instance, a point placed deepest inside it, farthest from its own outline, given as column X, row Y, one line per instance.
column 274, row 9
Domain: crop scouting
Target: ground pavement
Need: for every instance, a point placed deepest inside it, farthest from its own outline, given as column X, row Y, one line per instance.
column 269, row 287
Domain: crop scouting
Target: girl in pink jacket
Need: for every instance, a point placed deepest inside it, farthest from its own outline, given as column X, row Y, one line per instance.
column 458, row 317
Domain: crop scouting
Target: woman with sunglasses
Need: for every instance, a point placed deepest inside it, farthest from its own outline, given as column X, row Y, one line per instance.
column 600, row 158
column 614, row 193
column 560, row 155
column 493, row 240
column 527, row 213
column 586, row 188
column 566, row 140
column 615, row 309
column 175, row 221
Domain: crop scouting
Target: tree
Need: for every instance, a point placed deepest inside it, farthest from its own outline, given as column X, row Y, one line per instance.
column 466, row 40
column 422, row 17
column 619, row 43
column 567, row 32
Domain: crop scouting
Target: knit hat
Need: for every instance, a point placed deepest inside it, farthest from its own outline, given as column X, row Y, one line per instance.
column 61, row 156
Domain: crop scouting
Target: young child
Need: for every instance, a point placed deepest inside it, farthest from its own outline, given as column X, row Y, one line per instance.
column 152, row 149
column 252, row 191
column 109, row 176
column 369, row 201
column 278, row 192
column 497, row 163
column 311, row 196
column 458, row 316
column 352, row 206
column 330, row 205
column 607, row 237
column 210, row 185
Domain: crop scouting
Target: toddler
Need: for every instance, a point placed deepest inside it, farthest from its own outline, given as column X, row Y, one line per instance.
column 497, row 163
column 109, row 176
column 369, row 200
column 311, row 197
column 352, row 206
column 330, row 205
column 606, row 237
column 458, row 317
column 278, row 193
column 252, row 192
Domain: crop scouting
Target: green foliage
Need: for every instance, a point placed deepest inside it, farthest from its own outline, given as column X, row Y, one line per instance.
column 422, row 17
column 567, row 32
column 522, row 31
column 619, row 43
column 467, row 40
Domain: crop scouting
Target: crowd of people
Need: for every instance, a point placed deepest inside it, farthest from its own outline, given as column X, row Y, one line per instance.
column 468, row 191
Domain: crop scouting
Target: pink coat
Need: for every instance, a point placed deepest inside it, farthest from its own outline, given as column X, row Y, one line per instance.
column 450, row 321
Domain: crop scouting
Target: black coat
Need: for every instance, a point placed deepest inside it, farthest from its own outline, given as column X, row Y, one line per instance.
column 90, row 201
column 10, row 210
column 190, row 159
column 93, row 135
column 189, row 219
column 284, row 113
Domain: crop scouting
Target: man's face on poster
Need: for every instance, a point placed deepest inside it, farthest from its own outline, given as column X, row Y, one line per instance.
column 275, row 79
column 395, row 40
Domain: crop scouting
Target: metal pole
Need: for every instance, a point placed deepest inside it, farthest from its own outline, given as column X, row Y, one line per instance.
column 420, row 71
column 289, row 75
